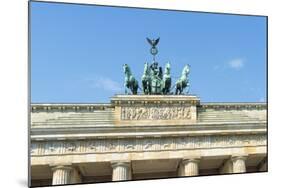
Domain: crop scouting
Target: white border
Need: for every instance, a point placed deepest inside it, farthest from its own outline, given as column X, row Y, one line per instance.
column 13, row 61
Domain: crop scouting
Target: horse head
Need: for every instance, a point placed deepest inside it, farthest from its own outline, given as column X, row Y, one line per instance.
column 186, row 70
column 126, row 69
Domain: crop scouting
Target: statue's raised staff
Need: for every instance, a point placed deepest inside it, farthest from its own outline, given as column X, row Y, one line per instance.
column 153, row 44
column 183, row 81
column 130, row 81
column 167, row 81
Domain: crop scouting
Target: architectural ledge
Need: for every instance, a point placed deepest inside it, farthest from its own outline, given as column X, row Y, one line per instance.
column 154, row 99
column 42, row 107
column 56, row 107
column 234, row 106
column 58, row 133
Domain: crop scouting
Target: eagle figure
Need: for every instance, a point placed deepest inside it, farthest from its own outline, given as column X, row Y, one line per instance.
column 153, row 42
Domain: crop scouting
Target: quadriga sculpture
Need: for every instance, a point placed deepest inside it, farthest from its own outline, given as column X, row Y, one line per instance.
column 183, row 81
column 130, row 81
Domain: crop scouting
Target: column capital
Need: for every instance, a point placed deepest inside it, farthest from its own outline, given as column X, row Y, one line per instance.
column 65, row 166
column 195, row 159
column 121, row 170
column 238, row 157
column 125, row 163
column 61, row 174
column 189, row 166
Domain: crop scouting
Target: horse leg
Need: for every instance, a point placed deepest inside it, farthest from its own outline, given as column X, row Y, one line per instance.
column 146, row 88
column 126, row 92
column 135, row 88
column 132, row 89
column 181, row 90
column 182, row 87
column 187, row 90
column 177, row 88
column 164, row 88
column 143, row 86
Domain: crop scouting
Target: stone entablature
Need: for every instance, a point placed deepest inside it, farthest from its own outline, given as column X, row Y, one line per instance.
column 94, row 107
column 137, row 135
column 107, row 106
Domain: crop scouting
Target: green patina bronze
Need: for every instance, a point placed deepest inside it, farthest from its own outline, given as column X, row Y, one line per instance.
column 183, row 81
column 130, row 81
column 153, row 80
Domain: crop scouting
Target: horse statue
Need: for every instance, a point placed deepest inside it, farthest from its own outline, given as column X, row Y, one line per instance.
column 183, row 81
column 146, row 80
column 130, row 81
column 167, row 79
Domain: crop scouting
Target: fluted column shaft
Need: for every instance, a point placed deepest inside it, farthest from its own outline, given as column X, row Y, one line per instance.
column 121, row 171
column 61, row 175
column 227, row 167
column 239, row 164
column 189, row 167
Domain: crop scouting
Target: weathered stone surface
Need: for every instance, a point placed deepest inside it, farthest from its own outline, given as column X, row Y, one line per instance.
column 163, row 109
column 121, row 170
column 155, row 113
column 189, row 166
column 239, row 163
column 152, row 133
column 145, row 144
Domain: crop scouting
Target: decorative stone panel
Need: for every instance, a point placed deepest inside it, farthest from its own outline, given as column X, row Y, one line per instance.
column 144, row 144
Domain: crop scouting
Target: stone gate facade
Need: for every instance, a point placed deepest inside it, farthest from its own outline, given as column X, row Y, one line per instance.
column 145, row 137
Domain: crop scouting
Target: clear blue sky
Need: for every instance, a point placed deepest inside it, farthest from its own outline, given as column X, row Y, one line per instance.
column 77, row 52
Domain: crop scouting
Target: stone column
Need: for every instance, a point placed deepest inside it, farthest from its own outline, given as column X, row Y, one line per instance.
column 121, row 170
column 239, row 164
column 189, row 167
column 61, row 175
column 65, row 174
column 227, row 167
column 263, row 165
column 75, row 176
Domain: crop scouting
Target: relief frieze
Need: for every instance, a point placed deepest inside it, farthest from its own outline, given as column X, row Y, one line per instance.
column 155, row 113
column 144, row 144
